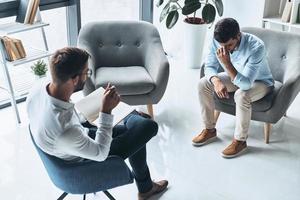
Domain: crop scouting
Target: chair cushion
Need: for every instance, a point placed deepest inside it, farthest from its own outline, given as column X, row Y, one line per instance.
column 260, row 105
column 131, row 80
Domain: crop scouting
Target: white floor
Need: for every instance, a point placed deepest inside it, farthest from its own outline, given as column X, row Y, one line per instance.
column 266, row 172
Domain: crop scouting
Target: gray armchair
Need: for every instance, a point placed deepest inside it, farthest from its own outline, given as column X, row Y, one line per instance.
column 283, row 52
column 128, row 54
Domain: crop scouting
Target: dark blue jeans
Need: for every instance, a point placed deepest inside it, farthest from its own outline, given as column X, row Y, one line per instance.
column 129, row 141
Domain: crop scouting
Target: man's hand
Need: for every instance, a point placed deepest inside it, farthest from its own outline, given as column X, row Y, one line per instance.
column 219, row 88
column 223, row 56
column 110, row 100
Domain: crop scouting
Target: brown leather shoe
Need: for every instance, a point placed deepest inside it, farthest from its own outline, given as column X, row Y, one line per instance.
column 157, row 188
column 204, row 137
column 234, row 149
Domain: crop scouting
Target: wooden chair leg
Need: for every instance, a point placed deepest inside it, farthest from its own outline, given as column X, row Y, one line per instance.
column 267, row 130
column 150, row 110
column 216, row 115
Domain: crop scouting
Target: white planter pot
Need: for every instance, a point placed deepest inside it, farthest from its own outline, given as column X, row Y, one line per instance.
column 194, row 40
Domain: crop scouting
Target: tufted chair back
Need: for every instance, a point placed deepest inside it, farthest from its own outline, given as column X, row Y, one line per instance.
column 128, row 54
column 126, row 40
column 283, row 52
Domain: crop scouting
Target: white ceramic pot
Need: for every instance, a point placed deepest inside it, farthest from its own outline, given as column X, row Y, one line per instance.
column 194, row 41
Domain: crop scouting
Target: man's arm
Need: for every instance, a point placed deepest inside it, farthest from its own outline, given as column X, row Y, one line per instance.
column 246, row 78
column 211, row 63
column 75, row 142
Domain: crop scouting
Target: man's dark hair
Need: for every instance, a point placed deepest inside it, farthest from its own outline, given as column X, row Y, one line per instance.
column 226, row 29
column 67, row 63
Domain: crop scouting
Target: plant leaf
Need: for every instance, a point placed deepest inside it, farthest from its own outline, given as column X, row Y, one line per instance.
column 191, row 7
column 173, row 7
column 209, row 13
column 219, row 6
column 190, row 1
column 159, row 3
column 164, row 12
column 172, row 19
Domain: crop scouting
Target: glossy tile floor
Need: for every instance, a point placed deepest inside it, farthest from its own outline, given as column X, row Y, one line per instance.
column 266, row 172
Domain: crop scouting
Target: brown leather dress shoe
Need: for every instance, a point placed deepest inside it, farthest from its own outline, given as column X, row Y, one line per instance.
column 157, row 188
column 204, row 137
column 234, row 149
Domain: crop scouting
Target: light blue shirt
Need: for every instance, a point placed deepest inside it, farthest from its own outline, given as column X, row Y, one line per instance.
column 249, row 60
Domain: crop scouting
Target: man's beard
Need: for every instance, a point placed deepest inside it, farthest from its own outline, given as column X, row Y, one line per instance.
column 79, row 86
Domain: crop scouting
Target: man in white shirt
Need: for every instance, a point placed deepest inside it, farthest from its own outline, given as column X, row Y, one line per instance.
column 58, row 131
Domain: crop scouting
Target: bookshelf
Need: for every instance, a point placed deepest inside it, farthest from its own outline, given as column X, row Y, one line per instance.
column 32, row 53
column 272, row 16
column 15, row 27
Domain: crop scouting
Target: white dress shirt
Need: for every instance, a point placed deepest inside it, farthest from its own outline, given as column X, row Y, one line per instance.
column 56, row 128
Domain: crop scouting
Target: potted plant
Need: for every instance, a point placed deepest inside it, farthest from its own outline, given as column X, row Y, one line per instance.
column 195, row 26
column 39, row 68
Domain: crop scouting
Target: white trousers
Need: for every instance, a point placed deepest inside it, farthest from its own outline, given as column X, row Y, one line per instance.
column 242, row 98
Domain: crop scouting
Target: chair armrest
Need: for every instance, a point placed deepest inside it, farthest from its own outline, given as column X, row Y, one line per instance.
column 156, row 62
column 285, row 96
column 92, row 176
column 202, row 70
column 157, row 65
column 92, row 61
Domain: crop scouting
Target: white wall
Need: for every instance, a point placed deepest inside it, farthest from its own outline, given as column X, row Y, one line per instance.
column 246, row 12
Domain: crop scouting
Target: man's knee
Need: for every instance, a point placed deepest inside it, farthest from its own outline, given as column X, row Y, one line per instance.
column 241, row 97
column 150, row 127
column 203, row 84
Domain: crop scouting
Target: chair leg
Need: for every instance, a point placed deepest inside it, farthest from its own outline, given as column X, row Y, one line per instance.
column 216, row 115
column 62, row 196
column 150, row 110
column 109, row 195
column 267, row 130
column 84, row 196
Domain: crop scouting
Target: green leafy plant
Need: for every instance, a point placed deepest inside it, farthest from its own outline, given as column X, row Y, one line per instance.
column 190, row 7
column 39, row 68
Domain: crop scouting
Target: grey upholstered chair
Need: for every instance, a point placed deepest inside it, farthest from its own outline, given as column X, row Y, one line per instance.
column 283, row 53
column 128, row 54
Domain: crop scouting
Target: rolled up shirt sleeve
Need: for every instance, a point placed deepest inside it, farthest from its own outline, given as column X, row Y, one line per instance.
column 211, row 62
column 245, row 79
column 75, row 142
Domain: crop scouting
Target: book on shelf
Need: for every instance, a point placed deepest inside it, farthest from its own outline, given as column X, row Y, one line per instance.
column 298, row 14
column 90, row 106
column 281, row 6
column 14, row 49
column 6, row 47
column 20, row 47
column 286, row 15
column 27, row 11
column 294, row 12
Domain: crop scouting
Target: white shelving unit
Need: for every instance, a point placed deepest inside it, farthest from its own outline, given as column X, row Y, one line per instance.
column 272, row 18
column 32, row 53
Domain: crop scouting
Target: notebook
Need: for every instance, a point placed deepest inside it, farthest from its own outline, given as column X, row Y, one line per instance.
column 90, row 105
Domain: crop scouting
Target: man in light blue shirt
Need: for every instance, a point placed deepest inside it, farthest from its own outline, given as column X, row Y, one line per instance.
column 246, row 73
